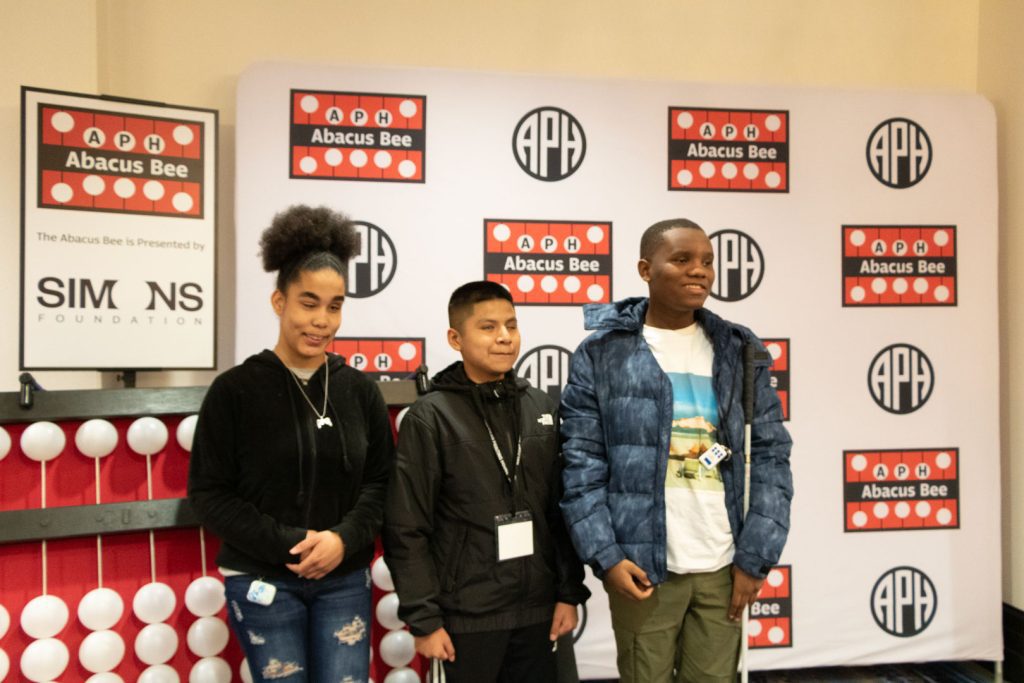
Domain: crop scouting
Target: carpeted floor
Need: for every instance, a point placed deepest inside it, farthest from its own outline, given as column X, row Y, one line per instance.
column 935, row 672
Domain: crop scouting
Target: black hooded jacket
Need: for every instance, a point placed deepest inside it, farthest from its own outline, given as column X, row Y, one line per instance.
column 261, row 473
column 447, row 488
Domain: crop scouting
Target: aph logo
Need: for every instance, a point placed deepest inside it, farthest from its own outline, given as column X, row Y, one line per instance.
column 901, row 378
column 549, row 144
column 771, row 613
column 778, row 349
column 728, row 150
column 91, row 160
column 739, row 265
column 893, row 490
column 548, row 263
column 899, row 153
column 903, row 601
column 358, row 136
column 546, row 368
column 891, row 265
column 370, row 271
column 382, row 358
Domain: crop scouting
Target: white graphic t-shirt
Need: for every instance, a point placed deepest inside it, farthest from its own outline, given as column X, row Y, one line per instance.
column 699, row 538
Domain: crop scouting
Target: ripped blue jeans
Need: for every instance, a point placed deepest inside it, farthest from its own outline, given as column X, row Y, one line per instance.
column 315, row 630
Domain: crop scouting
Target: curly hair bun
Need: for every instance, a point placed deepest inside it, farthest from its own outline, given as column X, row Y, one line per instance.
column 301, row 230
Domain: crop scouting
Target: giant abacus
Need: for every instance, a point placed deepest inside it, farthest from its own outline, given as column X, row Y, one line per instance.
column 106, row 575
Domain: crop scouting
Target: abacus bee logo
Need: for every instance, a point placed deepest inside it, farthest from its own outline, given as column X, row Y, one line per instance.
column 728, row 150
column 901, row 378
column 771, row 613
column 896, row 490
column 903, row 601
column 382, row 358
column 899, row 153
column 91, row 160
column 549, row 143
column 550, row 263
column 546, row 368
column 358, row 136
column 739, row 265
column 899, row 265
column 373, row 268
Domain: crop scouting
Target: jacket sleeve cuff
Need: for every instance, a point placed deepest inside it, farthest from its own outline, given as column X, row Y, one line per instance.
column 426, row 626
column 752, row 564
column 609, row 557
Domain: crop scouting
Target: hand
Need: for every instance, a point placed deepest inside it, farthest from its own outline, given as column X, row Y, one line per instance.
column 436, row 646
column 629, row 580
column 744, row 591
column 564, row 621
column 319, row 554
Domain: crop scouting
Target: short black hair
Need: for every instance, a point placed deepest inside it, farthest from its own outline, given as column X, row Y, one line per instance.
column 652, row 235
column 460, row 305
column 304, row 238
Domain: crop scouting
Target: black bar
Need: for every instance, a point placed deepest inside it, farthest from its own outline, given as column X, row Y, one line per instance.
column 89, row 520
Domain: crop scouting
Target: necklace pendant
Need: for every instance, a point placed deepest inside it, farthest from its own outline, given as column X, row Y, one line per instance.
column 321, row 421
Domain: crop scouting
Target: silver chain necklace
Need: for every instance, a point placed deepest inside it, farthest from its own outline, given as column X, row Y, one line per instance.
column 321, row 416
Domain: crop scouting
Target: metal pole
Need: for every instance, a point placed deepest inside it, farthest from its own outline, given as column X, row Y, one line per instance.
column 748, row 416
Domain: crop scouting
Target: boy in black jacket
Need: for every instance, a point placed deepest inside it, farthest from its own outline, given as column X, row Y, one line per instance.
column 484, row 569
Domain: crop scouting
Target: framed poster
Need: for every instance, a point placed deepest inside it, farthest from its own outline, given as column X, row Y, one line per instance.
column 118, row 233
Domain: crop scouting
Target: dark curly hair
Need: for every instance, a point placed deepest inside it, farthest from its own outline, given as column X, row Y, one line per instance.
column 303, row 238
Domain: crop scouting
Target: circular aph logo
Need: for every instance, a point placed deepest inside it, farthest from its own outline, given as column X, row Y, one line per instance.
column 549, row 143
column 899, row 153
column 546, row 368
column 901, row 378
column 372, row 269
column 903, row 601
column 739, row 265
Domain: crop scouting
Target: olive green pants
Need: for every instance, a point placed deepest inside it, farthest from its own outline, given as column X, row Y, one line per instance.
column 680, row 634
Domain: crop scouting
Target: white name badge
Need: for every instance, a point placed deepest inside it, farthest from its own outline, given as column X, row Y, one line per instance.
column 514, row 535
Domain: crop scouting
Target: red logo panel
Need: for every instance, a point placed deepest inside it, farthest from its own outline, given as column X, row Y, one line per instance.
column 550, row 263
column 771, row 614
column 383, row 358
column 728, row 150
column 899, row 265
column 779, row 351
column 358, row 136
column 892, row 490
column 96, row 161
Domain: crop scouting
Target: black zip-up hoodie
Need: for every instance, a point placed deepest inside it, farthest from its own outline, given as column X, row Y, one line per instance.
column 261, row 473
column 447, row 488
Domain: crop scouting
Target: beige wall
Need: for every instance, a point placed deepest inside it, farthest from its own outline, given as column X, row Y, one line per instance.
column 1000, row 64
column 192, row 52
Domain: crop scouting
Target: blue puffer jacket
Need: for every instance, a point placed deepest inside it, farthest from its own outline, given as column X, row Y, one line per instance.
column 616, row 423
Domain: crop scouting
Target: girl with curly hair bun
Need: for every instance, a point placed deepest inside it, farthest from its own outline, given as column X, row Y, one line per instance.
column 289, row 468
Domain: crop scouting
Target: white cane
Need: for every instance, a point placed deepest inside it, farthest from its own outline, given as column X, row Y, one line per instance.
column 748, row 413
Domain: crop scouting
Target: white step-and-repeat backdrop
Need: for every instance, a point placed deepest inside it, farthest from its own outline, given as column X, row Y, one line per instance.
column 855, row 233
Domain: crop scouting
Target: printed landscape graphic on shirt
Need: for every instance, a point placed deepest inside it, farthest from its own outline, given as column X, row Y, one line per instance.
column 693, row 400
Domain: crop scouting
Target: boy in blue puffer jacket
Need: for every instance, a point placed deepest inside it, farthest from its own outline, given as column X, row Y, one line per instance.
column 655, row 386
